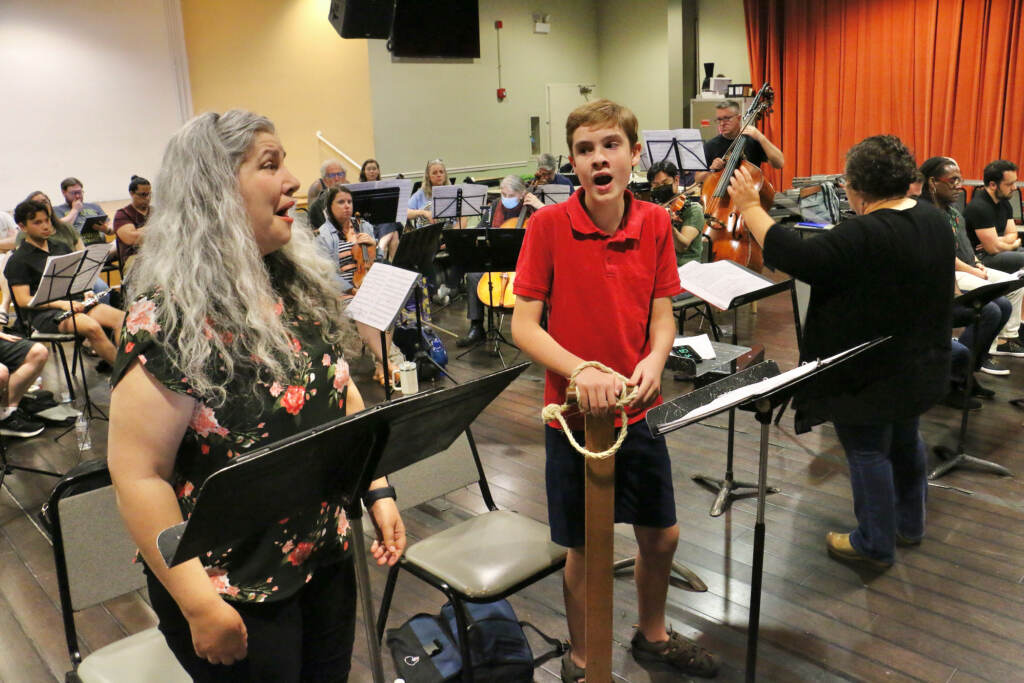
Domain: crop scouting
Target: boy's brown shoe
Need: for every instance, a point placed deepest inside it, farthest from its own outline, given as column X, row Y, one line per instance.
column 679, row 652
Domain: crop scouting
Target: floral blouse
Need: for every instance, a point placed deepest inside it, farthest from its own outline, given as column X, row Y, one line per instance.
column 275, row 564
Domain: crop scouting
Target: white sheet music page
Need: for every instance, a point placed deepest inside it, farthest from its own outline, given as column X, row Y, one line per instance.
column 70, row 274
column 382, row 295
column 720, row 282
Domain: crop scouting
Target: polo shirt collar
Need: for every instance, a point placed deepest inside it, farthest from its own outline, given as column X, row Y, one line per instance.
column 629, row 228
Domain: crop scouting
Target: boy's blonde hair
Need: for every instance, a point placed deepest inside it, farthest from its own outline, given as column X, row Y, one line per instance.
column 600, row 114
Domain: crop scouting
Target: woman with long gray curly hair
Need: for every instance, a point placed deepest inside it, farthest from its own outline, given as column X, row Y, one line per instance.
column 232, row 342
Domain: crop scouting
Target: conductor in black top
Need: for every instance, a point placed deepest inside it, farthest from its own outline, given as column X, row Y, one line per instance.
column 883, row 272
column 758, row 150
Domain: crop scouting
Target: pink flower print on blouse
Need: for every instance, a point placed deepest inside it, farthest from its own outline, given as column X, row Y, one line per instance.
column 219, row 579
column 293, row 400
column 326, row 360
column 204, row 422
column 301, row 553
column 276, row 389
column 142, row 316
column 341, row 375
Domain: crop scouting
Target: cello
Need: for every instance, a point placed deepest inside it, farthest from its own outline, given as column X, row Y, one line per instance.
column 729, row 238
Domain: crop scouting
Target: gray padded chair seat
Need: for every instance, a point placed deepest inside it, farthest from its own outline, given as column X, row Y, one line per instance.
column 143, row 656
column 487, row 554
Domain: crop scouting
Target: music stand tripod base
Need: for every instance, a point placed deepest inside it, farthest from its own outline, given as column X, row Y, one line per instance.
column 952, row 459
column 728, row 490
column 684, row 574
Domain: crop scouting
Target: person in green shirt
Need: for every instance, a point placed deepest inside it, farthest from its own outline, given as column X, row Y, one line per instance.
column 688, row 222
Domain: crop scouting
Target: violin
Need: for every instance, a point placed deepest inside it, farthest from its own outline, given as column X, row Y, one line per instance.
column 497, row 287
column 730, row 240
column 363, row 254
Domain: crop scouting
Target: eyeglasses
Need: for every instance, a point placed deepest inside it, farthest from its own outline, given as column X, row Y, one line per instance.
column 142, row 194
column 723, row 119
column 952, row 181
column 336, row 175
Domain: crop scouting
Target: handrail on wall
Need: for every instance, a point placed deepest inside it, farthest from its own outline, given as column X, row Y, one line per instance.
column 321, row 138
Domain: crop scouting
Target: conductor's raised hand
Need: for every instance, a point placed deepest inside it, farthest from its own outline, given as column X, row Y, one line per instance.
column 743, row 190
column 647, row 379
column 218, row 633
column 597, row 391
column 390, row 543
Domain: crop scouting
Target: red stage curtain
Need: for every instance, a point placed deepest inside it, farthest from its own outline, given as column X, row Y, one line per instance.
column 946, row 76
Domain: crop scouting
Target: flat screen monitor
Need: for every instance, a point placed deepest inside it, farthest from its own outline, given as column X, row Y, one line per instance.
column 441, row 28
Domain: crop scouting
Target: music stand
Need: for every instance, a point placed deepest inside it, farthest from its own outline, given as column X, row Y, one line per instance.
column 684, row 146
column 976, row 300
column 416, row 252
column 459, row 201
column 486, row 250
column 64, row 278
column 381, row 201
column 760, row 389
column 553, row 193
column 263, row 486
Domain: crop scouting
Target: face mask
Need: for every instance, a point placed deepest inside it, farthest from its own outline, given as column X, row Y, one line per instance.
column 510, row 202
column 662, row 194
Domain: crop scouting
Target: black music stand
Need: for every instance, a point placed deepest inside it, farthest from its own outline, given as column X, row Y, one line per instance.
column 416, row 252
column 66, row 277
column 260, row 487
column 741, row 390
column 976, row 300
column 381, row 201
column 727, row 488
column 684, row 145
column 486, row 250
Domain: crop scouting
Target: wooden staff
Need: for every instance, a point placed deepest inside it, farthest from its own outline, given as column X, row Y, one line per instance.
column 598, row 553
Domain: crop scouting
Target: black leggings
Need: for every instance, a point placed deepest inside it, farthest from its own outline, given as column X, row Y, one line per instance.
column 307, row 637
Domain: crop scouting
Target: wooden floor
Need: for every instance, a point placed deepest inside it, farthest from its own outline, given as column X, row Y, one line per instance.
column 949, row 610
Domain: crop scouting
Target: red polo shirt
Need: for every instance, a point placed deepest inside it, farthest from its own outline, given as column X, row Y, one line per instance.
column 598, row 287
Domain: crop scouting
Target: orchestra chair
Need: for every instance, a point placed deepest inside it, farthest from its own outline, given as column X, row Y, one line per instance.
column 94, row 558
column 56, row 340
column 686, row 306
column 481, row 559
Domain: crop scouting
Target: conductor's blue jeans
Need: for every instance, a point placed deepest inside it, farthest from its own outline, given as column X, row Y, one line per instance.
column 889, row 480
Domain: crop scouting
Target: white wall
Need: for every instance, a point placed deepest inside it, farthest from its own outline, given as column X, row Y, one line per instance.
column 634, row 69
column 92, row 89
column 722, row 39
column 448, row 108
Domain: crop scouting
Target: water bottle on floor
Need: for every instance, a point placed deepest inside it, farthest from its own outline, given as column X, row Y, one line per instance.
column 82, row 432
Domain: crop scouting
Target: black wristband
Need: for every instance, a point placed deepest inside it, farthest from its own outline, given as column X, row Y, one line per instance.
column 374, row 495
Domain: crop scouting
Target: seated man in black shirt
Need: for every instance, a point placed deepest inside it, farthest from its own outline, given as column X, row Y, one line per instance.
column 758, row 148
column 989, row 214
column 25, row 268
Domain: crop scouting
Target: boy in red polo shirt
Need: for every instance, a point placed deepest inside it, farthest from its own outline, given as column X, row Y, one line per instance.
column 603, row 264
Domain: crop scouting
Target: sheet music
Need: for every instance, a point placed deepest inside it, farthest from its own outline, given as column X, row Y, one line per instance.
column 720, row 282
column 70, row 274
column 660, row 145
column 445, row 200
column 381, row 296
column 700, row 343
column 751, row 391
column 553, row 193
column 404, row 192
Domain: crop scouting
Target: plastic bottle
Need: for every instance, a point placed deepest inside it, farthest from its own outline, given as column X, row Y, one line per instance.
column 82, row 432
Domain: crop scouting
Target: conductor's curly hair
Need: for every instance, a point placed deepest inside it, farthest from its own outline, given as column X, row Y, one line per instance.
column 880, row 167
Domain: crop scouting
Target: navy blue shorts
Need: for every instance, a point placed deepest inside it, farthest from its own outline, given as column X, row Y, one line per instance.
column 643, row 484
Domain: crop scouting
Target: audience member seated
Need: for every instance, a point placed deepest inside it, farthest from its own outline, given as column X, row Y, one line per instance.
column 25, row 268
column 21, row 363
column 942, row 186
column 993, row 316
column 62, row 230
column 130, row 220
column 75, row 210
column 332, row 173
column 338, row 238
column 547, row 171
column 508, row 207
column 687, row 222
column 387, row 234
column 8, row 241
column 989, row 214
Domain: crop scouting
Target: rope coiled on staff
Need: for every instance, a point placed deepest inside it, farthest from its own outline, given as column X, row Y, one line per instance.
column 554, row 411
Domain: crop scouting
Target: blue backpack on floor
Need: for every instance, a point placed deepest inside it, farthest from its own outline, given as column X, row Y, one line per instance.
column 426, row 648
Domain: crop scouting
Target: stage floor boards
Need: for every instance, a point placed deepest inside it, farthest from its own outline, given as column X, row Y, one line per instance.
column 949, row 610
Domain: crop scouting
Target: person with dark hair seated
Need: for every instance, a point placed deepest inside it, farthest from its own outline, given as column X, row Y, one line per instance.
column 131, row 219
column 332, row 174
column 883, row 273
column 942, row 183
column 687, row 222
column 75, row 210
column 25, row 268
column 989, row 213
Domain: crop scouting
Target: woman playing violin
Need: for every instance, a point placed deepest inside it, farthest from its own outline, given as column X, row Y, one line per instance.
column 687, row 216
column 342, row 238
